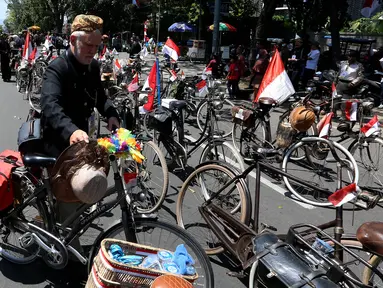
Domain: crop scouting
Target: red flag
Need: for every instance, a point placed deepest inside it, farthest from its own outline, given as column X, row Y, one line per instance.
column 202, row 88
column 344, row 195
column 324, row 125
column 171, row 49
column 276, row 83
column 27, row 47
column 134, row 85
column 333, row 88
column 371, row 127
column 151, row 82
column 351, row 110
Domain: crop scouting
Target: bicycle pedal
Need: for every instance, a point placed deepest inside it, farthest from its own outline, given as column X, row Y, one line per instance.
column 236, row 274
column 178, row 170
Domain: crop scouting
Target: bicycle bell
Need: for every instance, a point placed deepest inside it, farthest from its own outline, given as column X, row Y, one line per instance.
column 218, row 104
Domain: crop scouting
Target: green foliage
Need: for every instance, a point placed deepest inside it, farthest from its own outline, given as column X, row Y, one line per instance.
column 373, row 25
column 194, row 12
column 244, row 8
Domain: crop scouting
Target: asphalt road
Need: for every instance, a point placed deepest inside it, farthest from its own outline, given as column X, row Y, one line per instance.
column 276, row 208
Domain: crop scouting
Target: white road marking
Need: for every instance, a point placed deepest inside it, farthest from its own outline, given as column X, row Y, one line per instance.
column 266, row 182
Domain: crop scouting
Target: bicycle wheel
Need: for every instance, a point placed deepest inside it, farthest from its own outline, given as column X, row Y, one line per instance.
column 168, row 237
column 16, row 243
column 194, row 192
column 250, row 136
column 369, row 275
column 317, row 155
column 368, row 155
column 226, row 153
column 222, row 121
column 33, row 93
column 153, row 182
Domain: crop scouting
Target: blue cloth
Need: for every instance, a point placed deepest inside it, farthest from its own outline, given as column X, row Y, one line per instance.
column 182, row 259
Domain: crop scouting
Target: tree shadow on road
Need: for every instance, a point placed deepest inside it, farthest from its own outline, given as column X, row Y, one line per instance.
column 74, row 275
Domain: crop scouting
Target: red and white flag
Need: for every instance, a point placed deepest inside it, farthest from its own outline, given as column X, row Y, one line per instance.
column 208, row 71
column 134, row 85
column 27, row 51
column 202, row 88
column 351, row 110
column 171, row 49
column 333, row 88
column 173, row 76
column 276, row 83
column 371, row 127
column 117, row 65
column 151, row 82
column 343, row 196
column 183, row 75
column 369, row 7
column 324, row 125
column 35, row 54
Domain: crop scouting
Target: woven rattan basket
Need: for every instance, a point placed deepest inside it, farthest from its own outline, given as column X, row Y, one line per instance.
column 117, row 274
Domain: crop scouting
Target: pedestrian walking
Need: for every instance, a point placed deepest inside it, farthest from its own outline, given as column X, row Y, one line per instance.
column 5, row 50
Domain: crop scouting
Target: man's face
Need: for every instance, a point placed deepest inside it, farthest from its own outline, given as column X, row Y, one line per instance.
column 298, row 44
column 85, row 46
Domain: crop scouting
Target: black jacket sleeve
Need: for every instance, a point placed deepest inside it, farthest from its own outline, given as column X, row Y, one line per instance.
column 52, row 100
column 103, row 105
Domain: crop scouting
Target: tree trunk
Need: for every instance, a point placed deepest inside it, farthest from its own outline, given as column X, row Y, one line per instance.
column 265, row 19
column 59, row 22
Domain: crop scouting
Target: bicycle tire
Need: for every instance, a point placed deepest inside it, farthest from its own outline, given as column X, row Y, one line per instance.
column 244, row 200
column 375, row 260
column 316, row 140
column 201, row 125
column 234, row 133
column 354, row 147
column 165, row 172
column 182, row 234
column 42, row 209
column 216, row 142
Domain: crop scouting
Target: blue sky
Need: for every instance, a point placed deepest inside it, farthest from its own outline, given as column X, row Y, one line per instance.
column 3, row 9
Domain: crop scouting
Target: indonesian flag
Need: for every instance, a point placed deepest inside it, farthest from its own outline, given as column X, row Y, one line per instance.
column 103, row 52
column 324, row 125
column 174, row 75
column 151, row 83
column 208, row 71
column 35, row 54
column 134, row 85
column 202, row 88
column 117, row 65
column 343, row 196
column 351, row 110
column 333, row 88
column 371, row 127
column 171, row 49
column 276, row 83
column 369, row 7
column 183, row 75
column 27, row 51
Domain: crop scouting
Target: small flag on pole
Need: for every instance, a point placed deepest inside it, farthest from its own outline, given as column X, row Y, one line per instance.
column 371, row 127
column 343, row 196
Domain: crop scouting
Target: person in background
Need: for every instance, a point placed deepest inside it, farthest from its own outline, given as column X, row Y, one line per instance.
column 136, row 47
column 5, row 50
column 103, row 46
column 285, row 54
column 297, row 61
column 311, row 64
column 380, row 72
column 241, row 61
column 351, row 74
column 259, row 68
column 214, row 65
column 233, row 76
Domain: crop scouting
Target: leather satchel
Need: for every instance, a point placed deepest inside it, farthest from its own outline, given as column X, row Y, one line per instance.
column 243, row 116
column 29, row 138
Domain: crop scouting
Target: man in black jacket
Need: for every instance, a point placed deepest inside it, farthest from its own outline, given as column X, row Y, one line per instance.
column 72, row 89
column 5, row 49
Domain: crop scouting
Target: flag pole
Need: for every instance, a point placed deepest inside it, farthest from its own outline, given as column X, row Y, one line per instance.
column 158, row 80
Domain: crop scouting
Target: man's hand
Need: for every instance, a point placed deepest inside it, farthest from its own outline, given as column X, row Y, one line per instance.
column 113, row 121
column 78, row 136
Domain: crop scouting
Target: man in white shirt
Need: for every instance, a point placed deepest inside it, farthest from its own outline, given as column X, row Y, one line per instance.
column 311, row 64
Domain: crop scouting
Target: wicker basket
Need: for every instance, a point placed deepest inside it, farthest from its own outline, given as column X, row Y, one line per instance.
column 114, row 274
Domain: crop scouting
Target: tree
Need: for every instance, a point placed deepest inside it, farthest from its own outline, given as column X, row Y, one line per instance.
column 265, row 18
column 367, row 25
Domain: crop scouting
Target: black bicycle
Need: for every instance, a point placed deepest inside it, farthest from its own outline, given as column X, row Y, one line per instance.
column 30, row 230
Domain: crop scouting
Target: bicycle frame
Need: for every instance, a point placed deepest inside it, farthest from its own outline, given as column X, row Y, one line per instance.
column 81, row 226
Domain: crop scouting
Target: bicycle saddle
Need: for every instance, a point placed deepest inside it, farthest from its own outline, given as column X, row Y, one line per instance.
column 38, row 160
column 370, row 234
column 179, row 104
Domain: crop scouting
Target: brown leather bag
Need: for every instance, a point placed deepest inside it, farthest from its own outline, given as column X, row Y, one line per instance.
column 242, row 116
